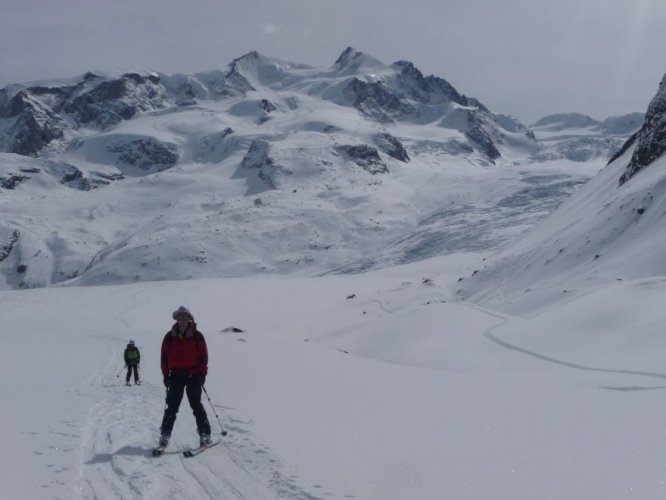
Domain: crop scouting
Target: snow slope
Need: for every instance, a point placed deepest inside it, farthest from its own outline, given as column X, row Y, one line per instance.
column 373, row 386
column 604, row 233
column 610, row 230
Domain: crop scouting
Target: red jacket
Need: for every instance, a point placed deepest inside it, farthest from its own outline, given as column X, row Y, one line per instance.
column 184, row 353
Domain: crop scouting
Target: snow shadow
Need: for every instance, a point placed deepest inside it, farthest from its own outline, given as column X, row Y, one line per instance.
column 124, row 451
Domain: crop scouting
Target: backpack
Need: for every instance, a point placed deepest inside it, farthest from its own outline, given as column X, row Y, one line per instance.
column 132, row 354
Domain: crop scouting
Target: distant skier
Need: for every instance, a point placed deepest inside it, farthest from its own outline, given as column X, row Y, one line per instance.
column 184, row 363
column 132, row 360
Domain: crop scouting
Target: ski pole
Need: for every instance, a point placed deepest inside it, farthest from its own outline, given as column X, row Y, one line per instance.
column 224, row 433
column 121, row 370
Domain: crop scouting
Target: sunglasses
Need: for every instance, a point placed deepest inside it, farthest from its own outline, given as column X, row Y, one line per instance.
column 183, row 317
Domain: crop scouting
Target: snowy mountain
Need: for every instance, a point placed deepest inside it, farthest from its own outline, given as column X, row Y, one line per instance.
column 563, row 121
column 610, row 230
column 59, row 115
column 580, row 138
column 266, row 167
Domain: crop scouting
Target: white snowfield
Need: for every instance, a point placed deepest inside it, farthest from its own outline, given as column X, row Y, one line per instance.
column 396, row 393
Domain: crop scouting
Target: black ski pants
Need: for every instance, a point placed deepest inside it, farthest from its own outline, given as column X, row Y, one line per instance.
column 190, row 385
column 130, row 369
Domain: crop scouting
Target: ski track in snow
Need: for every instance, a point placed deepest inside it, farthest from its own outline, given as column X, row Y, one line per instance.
column 121, row 428
column 504, row 320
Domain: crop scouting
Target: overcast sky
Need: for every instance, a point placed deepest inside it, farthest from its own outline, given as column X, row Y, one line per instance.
column 528, row 58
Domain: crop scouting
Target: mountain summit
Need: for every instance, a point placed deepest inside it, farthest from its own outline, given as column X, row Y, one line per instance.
column 41, row 117
column 352, row 61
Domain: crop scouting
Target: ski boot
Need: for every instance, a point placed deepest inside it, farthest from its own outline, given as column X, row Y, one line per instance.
column 164, row 440
column 204, row 440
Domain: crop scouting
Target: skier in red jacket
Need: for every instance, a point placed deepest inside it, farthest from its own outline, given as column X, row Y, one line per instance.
column 184, row 364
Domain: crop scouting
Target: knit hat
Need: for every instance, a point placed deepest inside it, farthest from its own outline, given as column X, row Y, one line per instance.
column 182, row 311
column 131, row 342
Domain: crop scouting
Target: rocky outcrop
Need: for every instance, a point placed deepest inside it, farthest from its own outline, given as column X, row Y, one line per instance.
column 235, row 82
column 352, row 61
column 145, row 154
column 650, row 140
column 376, row 101
column 12, row 181
column 111, row 102
column 37, row 116
column 392, row 147
column 258, row 160
column 33, row 123
column 185, row 95
column 7, row 247
column 477, row 127
column 60, row 172
column 426, row 90
column 365, row 157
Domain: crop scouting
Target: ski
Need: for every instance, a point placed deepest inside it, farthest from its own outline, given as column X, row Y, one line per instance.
column 196, row 451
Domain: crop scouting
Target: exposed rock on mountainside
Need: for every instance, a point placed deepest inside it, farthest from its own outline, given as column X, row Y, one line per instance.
column 392, row 147
column 375, row 101
column 477, row 126
column 54, row 172
column 365, row 157
column 32, row 123
column 650, row 140
column 7, row 247
column 110, row 102
column 258, row 159
column 144, row 154
column 39, row 115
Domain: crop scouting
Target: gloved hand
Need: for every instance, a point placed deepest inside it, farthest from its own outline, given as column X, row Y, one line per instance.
column 200, row 378
column 167, row 381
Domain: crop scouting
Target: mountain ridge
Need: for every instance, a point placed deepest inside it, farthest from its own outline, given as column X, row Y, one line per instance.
column 271, row 166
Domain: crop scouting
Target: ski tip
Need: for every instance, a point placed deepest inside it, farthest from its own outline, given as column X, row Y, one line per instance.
column 195, row 451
